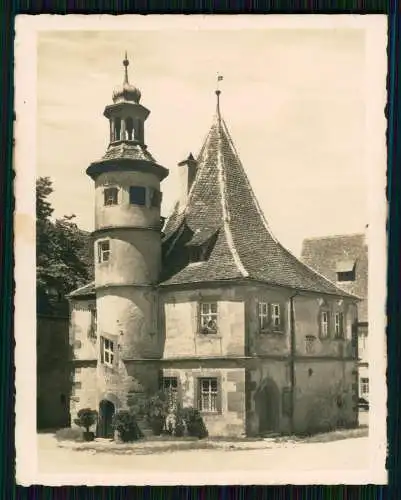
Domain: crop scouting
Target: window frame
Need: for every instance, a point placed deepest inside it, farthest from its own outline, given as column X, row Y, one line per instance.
column 173, row 392
column 265, row 315
column 115, row 201
column 142, row 188
column 212, row 315
column 155, row 194
column 108, row 352
column 101, row 252
column 363, row 384
column 273, row 316
column 340, row 333
column 324, row 332
column 214, row 396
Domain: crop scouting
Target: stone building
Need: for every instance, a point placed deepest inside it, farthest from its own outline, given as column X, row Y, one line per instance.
column 207, row 304
column 344, row 260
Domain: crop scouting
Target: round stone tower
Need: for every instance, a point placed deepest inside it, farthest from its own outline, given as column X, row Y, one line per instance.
column 127, row 241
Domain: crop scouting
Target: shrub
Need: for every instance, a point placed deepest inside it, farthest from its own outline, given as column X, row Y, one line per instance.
column 155, row 409
column 125, row 423
column 194, row 422
column 69, row 434
column 86, row 418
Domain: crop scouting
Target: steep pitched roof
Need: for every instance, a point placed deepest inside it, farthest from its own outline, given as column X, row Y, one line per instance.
column 329, row 254
column 221, row 199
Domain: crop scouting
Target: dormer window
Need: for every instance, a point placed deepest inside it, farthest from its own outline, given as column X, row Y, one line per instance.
column 111, row 196
column 346, row 270
column 208, row 318
column 137, row 195
column 196, row 254
column 201, row 244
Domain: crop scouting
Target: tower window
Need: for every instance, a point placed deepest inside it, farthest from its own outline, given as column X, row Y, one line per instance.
column 103, row 248
column 155, row 198
column 137, row 195
column 107, row 351
column 111, row 196
column 129, row 129
column 117, row 129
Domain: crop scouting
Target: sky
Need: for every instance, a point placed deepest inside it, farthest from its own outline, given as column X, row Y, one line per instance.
column 294, row 102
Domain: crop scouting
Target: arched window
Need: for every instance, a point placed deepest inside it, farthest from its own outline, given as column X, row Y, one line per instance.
column 129, row 127
column 117, row 129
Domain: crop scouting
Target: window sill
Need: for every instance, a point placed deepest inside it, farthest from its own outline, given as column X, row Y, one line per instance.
column 269, row 331
column 209, row 335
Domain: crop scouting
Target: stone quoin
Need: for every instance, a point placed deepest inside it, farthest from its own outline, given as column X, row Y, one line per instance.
column 207, row 304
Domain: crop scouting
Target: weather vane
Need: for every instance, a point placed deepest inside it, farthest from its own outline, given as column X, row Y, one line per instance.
column 219, row 79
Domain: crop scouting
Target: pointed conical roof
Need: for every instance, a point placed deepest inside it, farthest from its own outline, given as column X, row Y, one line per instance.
column 221, row 202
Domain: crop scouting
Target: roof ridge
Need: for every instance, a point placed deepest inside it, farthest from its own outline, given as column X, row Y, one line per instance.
column 254, row 199
column 334, row 236
column 224, row 205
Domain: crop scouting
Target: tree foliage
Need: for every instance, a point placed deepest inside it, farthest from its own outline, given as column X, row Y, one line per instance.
column 64, row 259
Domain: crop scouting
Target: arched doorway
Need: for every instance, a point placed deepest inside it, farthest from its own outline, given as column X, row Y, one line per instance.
column 267, row 406
column 106, row 413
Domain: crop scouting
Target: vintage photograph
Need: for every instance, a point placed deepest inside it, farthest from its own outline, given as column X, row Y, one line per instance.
column 209, row 240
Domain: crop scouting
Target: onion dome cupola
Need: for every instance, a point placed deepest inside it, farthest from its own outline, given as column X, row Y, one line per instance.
column 127, row 133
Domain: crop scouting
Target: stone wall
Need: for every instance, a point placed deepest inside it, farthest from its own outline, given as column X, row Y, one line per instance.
column 325, row 395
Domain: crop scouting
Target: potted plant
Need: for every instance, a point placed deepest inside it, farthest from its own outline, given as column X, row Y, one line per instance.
column 86, row 418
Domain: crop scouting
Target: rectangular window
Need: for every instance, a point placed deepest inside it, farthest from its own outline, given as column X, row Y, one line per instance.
column 364, row 386
column 155, row 198
column 103, row 248
column 339, row 325
column 275, row 316
column 263, row 313
column 170, row 387
column 107, row 351
column 137, row 195
column 324, row 324
column 92, row 331
column 346, row 276
column 208, row 317
column 111, row 196
column 208, row 393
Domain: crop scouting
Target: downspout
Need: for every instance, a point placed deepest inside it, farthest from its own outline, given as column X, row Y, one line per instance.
column 292, row 360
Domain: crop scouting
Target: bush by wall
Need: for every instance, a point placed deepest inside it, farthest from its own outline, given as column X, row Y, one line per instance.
column 125, row 423
column 194, row 422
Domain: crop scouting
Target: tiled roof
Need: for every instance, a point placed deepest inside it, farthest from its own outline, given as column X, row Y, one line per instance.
column 221, row 197
column 123, row 151
column 328, row 254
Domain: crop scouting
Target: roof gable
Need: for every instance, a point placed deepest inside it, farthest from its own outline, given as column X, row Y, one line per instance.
column 221, row 197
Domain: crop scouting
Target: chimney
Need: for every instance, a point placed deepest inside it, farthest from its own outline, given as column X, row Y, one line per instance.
column 190, row 172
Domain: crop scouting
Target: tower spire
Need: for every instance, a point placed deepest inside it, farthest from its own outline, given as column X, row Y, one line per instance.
column 218, row 92
column 126, row 64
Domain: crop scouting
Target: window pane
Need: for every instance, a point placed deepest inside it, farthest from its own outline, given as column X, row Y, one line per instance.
column 106, row 357
column 205, row 308
column 214, row 307
column 137, row 195
column 214, row 384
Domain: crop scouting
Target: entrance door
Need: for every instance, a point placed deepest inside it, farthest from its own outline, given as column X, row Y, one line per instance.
column 267, row 406
column 106, row 413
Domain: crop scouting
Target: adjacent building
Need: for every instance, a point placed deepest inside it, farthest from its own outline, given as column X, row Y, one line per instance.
column 344, row 260
column 207, row 304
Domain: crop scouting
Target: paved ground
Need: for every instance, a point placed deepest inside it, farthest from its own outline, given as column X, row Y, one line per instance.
column 347, row 454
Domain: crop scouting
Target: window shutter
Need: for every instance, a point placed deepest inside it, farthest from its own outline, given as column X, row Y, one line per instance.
column 101, row 349
column 319, row 320
column 219, row 394
column 257, row 315
column 197, row 392
column 269, row 315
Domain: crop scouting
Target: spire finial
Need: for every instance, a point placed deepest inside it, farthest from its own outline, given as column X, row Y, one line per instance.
column 218, row 92
column 126, row 64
